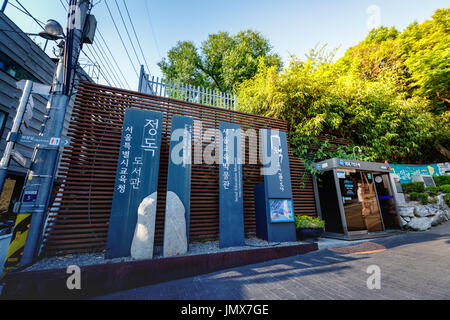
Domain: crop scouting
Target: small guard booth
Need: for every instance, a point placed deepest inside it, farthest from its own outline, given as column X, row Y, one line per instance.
column 355, row 199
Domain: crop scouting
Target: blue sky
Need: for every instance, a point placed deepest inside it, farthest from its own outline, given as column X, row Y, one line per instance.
column 293, row 27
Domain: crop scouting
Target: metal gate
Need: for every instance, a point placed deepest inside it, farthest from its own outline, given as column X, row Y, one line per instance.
column 81, row 204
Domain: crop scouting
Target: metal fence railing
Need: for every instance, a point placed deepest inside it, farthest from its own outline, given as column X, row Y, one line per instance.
column 181, row 91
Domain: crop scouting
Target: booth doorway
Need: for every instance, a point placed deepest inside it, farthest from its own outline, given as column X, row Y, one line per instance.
column 386, row 201
column 361, row 209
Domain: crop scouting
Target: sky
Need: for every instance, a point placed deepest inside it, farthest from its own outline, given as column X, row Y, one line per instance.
column 292, row 27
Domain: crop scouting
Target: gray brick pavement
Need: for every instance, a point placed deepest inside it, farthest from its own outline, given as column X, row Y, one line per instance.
column 414, row 266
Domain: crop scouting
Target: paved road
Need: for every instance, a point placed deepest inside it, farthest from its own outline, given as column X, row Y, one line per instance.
column 413, row 266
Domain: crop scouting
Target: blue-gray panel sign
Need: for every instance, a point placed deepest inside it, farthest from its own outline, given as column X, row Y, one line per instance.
column 180, row 164
column 277, row 175
column 231, row 205
column 137, row 176
column 30, row 196
column 44, row 141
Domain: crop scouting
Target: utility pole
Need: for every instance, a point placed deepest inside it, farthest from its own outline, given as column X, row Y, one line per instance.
column 38, row 186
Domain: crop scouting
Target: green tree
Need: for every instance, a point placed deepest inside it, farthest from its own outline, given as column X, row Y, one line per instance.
column 319, row 99
column 426, row 51
column 417, row 58
column 222, row 62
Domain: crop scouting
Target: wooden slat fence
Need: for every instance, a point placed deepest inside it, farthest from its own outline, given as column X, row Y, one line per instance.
column 79, row 214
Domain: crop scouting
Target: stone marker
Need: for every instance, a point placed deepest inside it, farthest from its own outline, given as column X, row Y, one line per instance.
column 136, row 177
column 231, row 200
column 175, row 240
column 144, row 235
column 177, row 214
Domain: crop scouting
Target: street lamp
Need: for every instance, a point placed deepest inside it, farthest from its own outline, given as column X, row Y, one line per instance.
column 52, row 30
column 359, row 150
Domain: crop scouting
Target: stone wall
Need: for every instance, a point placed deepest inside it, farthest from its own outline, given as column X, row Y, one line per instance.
column 418, row 217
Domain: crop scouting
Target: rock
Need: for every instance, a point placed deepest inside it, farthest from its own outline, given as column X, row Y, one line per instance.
column 406, row 211
column 175, row 238
column 419, row 224
column 440, row 217
column 144, row 235
column 440, row 202
column 407, row 219
column 447, row 213
column 422, row 211
column 403, row 222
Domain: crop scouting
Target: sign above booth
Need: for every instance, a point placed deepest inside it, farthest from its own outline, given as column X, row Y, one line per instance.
column 337, row 163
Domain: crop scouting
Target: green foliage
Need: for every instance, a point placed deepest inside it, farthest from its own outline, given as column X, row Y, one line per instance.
column 432, row 191
column 447, row 199
column 445, row 188
column 222, row 62
column 413, row 187
column 416, row 196
column 370, row 97
column 441, row 180
column 308, row 222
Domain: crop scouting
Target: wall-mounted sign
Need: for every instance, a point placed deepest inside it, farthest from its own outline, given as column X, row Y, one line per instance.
column 281, row 210
column 405, row 172
column 351, row 164
column 30, row 195
column 43, row 141
column 19, row 158
column 340, row 174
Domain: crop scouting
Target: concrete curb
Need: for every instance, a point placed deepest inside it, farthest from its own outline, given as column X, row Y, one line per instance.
column 98, row 280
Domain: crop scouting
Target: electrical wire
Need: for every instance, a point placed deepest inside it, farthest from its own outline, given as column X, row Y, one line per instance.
column 113, row 58
column 135, row 34
column 126, row 30
column 108, row 63
column 92, row 61
column 152, row 29
column 103, row 55
column 100, row 60
column 40, row 23
column 121, row 39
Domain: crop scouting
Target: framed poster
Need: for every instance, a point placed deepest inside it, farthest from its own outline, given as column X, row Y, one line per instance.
column 281, row 210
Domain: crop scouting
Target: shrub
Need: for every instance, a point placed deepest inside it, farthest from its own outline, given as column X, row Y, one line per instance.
column 445, row 188
column 416, row 196
column 413, row 187
column 432, row 191
column 308, row 222
column 447, row 199
column 442, row 180
column 413, row 196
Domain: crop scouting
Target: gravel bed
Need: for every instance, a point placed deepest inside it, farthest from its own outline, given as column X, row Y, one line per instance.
column 194, row 249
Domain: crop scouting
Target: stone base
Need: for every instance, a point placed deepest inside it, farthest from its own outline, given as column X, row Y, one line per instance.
column 144, row 235
column 175, row 238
